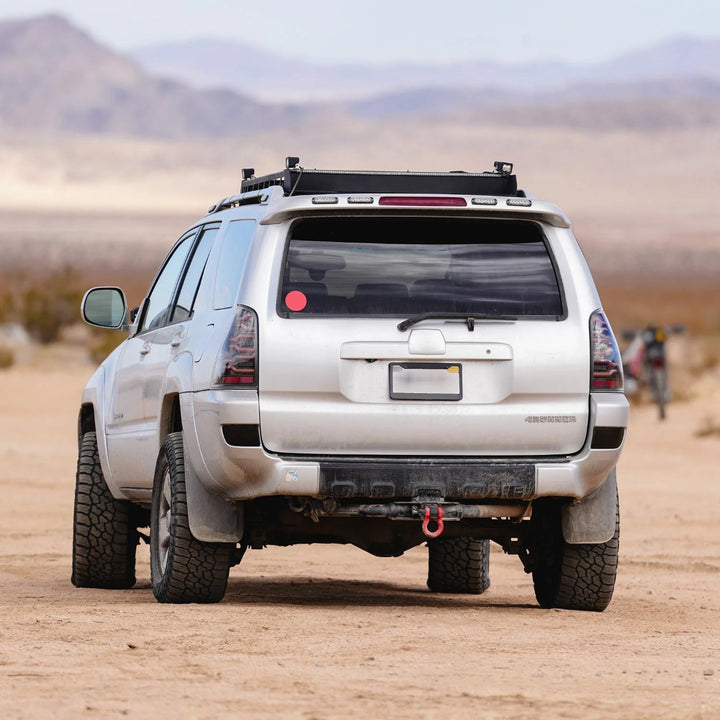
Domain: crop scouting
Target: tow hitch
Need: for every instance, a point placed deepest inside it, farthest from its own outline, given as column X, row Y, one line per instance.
column 433, row 514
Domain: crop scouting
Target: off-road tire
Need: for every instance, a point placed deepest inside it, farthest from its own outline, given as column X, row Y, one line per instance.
column 183, row 569
column 458, row 565
column 574, row 577
column 105, row 534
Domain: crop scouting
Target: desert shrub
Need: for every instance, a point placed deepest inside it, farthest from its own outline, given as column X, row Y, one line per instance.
column 38, row 315
column 42, row 304
column 103, row 343
column 636, row 302
column 6, row 306
column 711, row 353
column 709, row 428
column 7, row 357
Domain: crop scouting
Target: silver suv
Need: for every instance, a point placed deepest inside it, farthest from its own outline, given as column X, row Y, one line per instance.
column 375, row 358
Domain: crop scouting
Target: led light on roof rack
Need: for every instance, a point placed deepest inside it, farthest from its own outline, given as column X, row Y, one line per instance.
column 324, row 200
column 484, row 201
column 519, row 202
column 361, row 199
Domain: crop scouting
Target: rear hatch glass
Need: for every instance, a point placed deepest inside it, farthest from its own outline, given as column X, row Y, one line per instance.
column 404, row 266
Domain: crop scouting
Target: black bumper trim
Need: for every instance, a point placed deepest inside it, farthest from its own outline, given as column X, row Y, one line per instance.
column 451, row 481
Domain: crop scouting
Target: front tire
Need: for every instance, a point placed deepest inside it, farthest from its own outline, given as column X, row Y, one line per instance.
column 105, row 533
column 183, row 569
column 458, row 565
column 659, row 390
column 574, row 577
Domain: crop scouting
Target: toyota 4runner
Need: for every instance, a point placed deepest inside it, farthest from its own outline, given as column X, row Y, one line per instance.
column 378, row 358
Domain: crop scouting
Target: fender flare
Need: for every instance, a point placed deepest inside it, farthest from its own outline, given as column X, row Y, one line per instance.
column 94, row 395
column 212, row 518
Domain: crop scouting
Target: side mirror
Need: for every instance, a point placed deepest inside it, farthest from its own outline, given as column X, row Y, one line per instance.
column 104, row 307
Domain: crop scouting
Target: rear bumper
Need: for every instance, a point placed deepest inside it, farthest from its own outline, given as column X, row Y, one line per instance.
column 237, row 472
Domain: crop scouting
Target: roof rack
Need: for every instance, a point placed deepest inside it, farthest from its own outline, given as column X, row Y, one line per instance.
column 296, row 180
column 254, row 198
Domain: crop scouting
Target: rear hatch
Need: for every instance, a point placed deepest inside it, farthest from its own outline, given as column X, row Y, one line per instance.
column 421, row 336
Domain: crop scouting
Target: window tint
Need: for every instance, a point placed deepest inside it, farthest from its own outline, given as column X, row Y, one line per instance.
column 193, row 275
column 233, row 256
column 161, row 296
column 406, row 266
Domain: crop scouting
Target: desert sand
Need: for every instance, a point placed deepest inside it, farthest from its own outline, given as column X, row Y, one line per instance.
column 331, row 632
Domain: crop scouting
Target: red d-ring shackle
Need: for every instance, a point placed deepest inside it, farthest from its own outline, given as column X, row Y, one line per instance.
column 439, row 521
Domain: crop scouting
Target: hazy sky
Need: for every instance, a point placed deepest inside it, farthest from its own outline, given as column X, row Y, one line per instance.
column 388, row 30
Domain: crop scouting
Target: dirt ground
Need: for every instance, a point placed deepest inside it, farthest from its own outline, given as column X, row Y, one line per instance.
column 330, row 632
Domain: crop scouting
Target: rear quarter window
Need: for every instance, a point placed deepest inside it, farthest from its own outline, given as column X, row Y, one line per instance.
column 406, row 266
column 231, row 263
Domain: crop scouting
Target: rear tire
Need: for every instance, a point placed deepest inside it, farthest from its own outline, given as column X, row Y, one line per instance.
column 458, row 565
column 183, row 569
column 574, row 577
column 105, row 534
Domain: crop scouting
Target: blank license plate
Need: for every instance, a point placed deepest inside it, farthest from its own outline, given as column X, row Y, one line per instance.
column 425, row 381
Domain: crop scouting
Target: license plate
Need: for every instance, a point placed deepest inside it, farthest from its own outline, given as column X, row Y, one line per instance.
column 425, row 381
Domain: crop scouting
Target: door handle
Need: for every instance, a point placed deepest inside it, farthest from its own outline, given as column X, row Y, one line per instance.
column 177, row 339
column 145, row 349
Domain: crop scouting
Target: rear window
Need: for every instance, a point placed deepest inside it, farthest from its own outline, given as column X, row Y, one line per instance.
column 407, row 266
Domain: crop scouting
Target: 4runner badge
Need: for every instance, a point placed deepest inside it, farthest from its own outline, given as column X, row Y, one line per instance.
column 551, row 419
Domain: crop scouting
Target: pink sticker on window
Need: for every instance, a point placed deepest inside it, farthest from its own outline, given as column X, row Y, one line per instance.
column 296, row 301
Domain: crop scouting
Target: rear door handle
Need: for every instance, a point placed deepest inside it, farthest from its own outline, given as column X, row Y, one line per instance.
column 145, row 349
column 177, row 339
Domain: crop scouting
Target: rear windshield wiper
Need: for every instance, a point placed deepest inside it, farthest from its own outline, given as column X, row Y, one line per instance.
column 469, row 319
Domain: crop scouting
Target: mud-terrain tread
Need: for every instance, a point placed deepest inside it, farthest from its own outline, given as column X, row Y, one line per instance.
column 588, row 574
column 458, row 565
column 195, row 572
column 577, row 577
column 104, row 532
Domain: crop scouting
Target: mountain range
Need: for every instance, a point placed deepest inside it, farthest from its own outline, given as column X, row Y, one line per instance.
column 210, row 63
column 56, row 78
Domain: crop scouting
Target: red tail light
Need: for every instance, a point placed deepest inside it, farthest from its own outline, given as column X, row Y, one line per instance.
column 237, row 362
column 606, row 361
column 422, row 201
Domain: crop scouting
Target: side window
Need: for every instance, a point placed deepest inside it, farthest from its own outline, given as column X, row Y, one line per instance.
column 233, row 256
column 161, row 296
column 193, row 275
